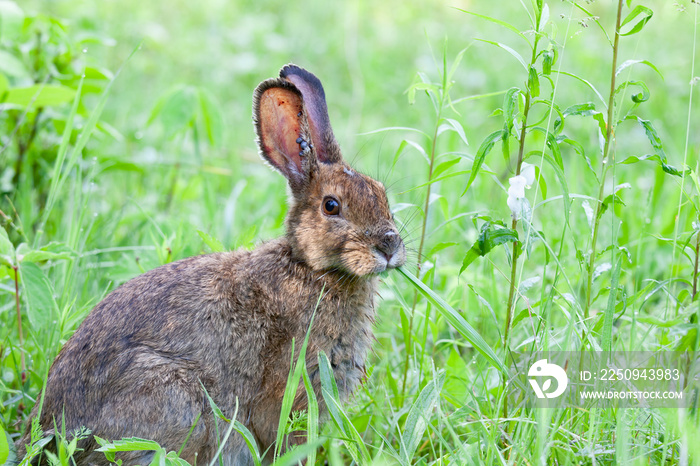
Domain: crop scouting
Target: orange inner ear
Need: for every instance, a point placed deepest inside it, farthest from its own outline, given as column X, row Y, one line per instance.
column 279, row 125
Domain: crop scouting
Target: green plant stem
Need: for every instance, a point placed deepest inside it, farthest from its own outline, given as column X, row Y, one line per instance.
column 514, row 224
column 19, row 323
column 606, row 150
column 695, row 268
column 23, row 147
column 426, row 208
column 427, row 197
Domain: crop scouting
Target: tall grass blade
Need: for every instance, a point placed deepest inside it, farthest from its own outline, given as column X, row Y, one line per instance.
column 457, row 321
column 353, row 440
column 606, row 343
column 418, row 416
column 290, row 391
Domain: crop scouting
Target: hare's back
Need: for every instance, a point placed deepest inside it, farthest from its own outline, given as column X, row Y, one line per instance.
column 162, row 328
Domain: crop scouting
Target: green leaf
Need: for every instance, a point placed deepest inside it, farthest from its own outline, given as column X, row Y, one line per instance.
column 7, row 249
column 52, row 251
column 444, row 166
column 457, row 380
column 177, row 110
column 499, row 22
column 671, row 170
column 295, row 455
column 652, row 135
column 455, row 63
column 11, row 21
column 584, row 109
column 533, row 82
column 329, row 389
column 638, row 10
column 457, row 128
column 4, row 85
column 457, row 321
column 4, row 446
column 129, row 444
column 214, row 244
column 507, row 49
column 579, row 150
column 473, row 254
column 548, row 61
column 225, row 438
column 606, row 343
column 420, row 86
column 38, row 293
column 602, row 127
column 509, row 106
column 562, row 183
column 552, row 144
column 440, row 246
column 689, row 341
column 539, row 177
column 418, row 417
column 40, row 95
column 587, row 83
column 312, row 412
column 655, row 140
column 172, row 459
column 490, row 236
column 212, row 117
column 101, row 74
column 57, row 180
column 611, row 199
column 634, row 62
column 661, row 322
column 636, row 97
column 293, row 377
column 484, row 149
column 249, row 440
column 399, row 152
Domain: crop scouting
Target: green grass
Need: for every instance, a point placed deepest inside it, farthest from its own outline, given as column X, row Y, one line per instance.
column 159, row 163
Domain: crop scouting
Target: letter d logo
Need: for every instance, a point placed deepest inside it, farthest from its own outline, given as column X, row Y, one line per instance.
column 542, row 368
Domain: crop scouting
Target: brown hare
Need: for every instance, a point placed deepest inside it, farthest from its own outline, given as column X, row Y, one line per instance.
column 137, row 364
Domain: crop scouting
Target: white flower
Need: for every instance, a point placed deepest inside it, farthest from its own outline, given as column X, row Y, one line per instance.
column 516, row 195
column 517, row 186
column 516, row 191
column 528, row 171
column 516, row 206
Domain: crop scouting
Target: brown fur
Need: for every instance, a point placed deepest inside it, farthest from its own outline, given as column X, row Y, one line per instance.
column 134, row 366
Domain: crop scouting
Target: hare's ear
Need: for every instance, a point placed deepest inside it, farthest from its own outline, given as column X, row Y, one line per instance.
column 280, row 123
column 326, row 147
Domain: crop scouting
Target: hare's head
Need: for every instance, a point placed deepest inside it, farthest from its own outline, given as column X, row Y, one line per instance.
column 338, row 218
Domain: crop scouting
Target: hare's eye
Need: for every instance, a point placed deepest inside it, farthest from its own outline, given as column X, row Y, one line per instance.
column 331, row 206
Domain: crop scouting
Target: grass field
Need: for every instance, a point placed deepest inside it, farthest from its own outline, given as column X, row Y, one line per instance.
column 443, row 102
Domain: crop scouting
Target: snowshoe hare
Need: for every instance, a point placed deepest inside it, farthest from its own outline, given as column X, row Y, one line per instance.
column 134, row 366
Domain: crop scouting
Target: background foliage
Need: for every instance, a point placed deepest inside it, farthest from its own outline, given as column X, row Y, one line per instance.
column 155, row 161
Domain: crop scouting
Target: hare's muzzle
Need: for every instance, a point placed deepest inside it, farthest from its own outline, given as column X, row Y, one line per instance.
column 391, row 248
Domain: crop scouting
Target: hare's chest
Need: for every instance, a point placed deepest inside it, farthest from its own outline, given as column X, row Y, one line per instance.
column 348, row 345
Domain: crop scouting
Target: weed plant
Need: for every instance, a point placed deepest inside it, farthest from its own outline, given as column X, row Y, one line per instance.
column 541, row 159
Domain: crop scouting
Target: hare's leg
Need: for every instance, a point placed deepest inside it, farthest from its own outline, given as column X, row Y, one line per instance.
column 162, row 405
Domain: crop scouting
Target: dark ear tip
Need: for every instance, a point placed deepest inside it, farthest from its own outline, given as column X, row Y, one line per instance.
column 291, row 68
column 306, row 76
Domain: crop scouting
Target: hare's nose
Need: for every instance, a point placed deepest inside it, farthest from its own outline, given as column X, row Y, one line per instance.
column 389, row 244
